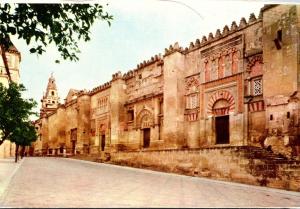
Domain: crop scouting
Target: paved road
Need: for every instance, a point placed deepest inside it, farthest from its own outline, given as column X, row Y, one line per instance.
column 54, row 182
column 7, row 169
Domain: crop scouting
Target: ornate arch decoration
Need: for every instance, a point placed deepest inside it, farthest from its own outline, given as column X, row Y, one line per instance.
column 190, row 83
column 145, row 119
column 253, row 60
column 102, row 128
column 220, row 95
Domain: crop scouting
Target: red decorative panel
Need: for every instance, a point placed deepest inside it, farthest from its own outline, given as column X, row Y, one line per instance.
column 223, row 81
column 235, row 58
column 207, row 72
column 221, row 67
column 221, row 111
column 226, row 95
column 240, row 94
column 192, row 117
column 190, row 83
column 255, row 65
column 256, row 69
column 256, row 106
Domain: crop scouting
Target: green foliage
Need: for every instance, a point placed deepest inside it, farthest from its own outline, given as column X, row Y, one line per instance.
column 14, row 113
column 24, row 134
column 61, row 24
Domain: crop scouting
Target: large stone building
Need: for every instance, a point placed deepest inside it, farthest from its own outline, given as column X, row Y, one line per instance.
column 236, row 87
column 13, row 56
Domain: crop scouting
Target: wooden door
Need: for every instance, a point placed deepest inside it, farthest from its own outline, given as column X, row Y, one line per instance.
column 222, row 129
column 146, row 137
column 102, row 142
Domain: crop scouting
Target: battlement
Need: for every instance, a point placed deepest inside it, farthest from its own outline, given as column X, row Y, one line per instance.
column 150, row 61
column 193, row 45
column 145, row 63
column 225, row 32
column 268, row 6
column 82, row 92
column 172, row 49
column 116, row 76
column 100, row 88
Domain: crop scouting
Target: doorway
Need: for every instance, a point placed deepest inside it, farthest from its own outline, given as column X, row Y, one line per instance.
column 73, row 146
column 222, row 129
column 146, row 137
column 102, row 142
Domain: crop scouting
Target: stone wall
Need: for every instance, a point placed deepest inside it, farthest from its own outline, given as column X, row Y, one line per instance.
column 280, row 57
column 183, row 96
column 7, row 149
column 99, row 116
column 248, row 165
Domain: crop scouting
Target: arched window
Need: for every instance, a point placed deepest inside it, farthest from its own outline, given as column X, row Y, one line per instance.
column 192, row 93
column 214, row 70
column 192, row 101
column 257, row 87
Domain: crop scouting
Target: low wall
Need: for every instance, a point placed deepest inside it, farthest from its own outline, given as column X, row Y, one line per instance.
column 238, row 164
column 7, row 149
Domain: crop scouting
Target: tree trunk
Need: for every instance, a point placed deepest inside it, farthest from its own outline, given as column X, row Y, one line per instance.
column 22, row 152
column 5, row 63
column 17, row 153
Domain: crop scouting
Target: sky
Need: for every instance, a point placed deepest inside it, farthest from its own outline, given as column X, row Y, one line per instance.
column 140, row 29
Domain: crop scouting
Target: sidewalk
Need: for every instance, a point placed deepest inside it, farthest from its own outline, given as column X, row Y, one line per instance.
column 8, row 168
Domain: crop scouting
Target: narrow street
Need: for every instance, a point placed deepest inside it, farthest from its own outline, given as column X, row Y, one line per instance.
column 57, row 182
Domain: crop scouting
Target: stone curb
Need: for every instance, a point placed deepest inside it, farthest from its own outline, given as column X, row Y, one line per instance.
column 266, row 189
column 3, row 190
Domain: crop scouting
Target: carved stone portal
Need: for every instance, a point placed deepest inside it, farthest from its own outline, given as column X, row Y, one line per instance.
column 145, row 119
column 221, row 103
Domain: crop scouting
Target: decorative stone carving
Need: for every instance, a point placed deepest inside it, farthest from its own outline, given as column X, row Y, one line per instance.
column 256, row 106
column 252, row 60
column 204, row 39
column 192, row 85
column 223, row 63
column 192, row 89
column 228, row 64
column 100, row 88
column 207, row 73
column 234, row 26
column 257, row 87
column 191, row 45
column 210, row 37
column 225, row 30
column 221, row 95
column 218, row 34
column 243, row 23
column 221, row 67
column 145, row 119
column 197, row 44
column 172, row 49
column 214, row 70
column 235, row 61
column 252, row 18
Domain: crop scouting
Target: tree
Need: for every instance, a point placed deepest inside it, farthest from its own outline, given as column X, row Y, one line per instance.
column 14, row 112
column 23, row 135
column 43, row 24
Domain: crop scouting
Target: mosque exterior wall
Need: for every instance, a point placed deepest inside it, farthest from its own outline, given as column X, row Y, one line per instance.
column 236, row 87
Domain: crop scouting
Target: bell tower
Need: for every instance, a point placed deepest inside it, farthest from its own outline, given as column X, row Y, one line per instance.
column 50, row 99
